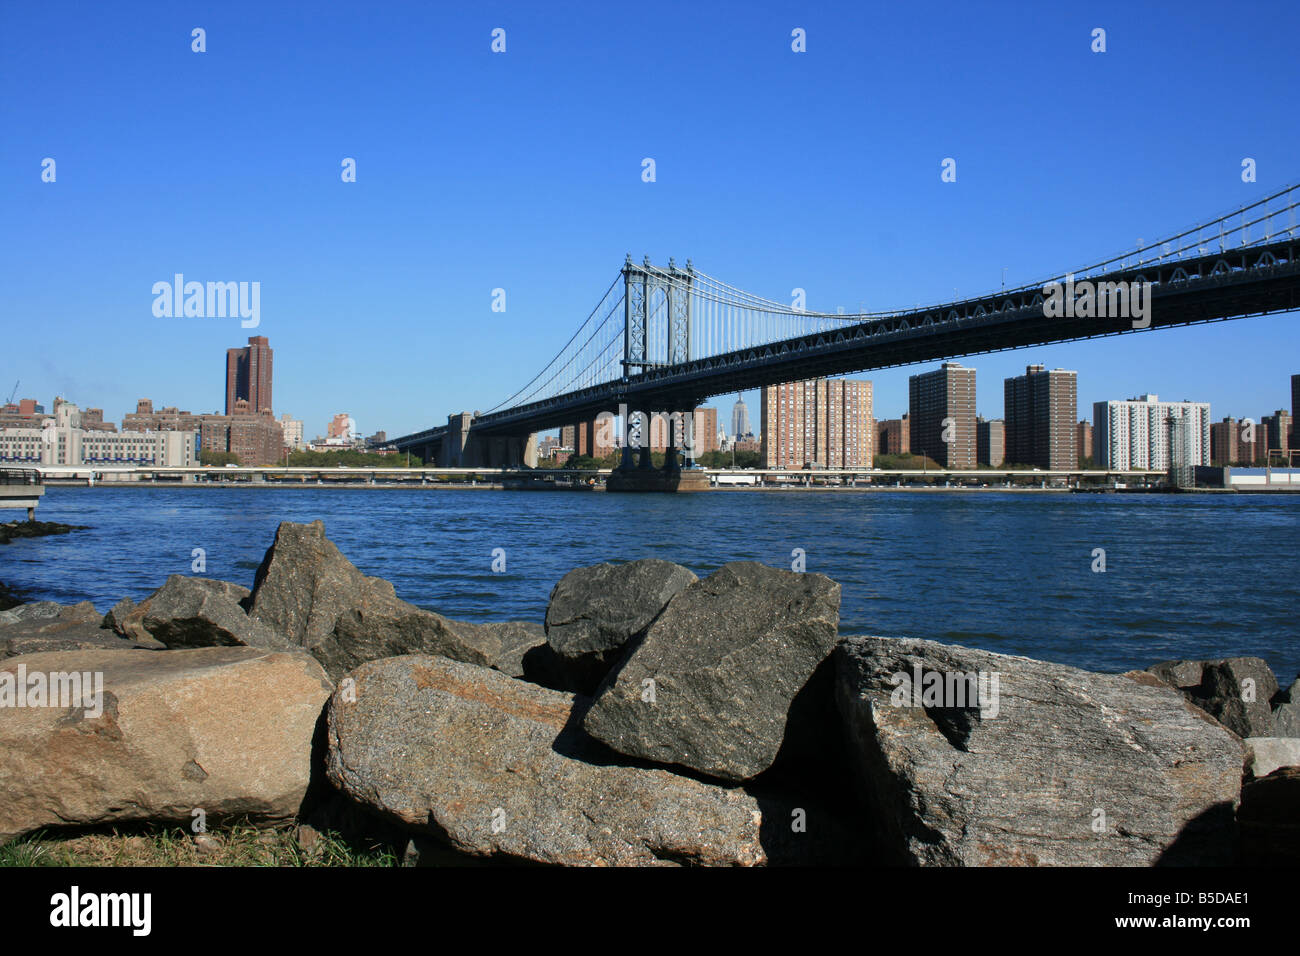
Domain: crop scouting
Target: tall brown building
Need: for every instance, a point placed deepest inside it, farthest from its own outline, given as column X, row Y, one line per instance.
column 1252, row 443
column 1085, row 439
column 894, row 436
column 825, row 422
column 1042, row 419
column 1279, row 432
column 248, row 375
column 1224, row 436
column 941, row 405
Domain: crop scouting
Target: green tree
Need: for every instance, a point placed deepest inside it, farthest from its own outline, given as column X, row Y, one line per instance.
column 351, row 459
column 217, row 458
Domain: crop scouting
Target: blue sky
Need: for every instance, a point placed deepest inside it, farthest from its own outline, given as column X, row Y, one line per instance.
column 522, row 170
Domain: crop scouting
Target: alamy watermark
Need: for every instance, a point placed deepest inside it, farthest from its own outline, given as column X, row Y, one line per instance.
column 212, row 300
column 942, row 689
column 61, row 689
column 1100, row 300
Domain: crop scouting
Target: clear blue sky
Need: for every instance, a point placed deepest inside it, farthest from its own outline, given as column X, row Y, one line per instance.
column 522, row 170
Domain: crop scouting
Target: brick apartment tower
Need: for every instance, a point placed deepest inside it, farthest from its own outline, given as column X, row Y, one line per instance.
column 248, row 375
column 820, row 421
column 1085, row 439
column 946, row 393
column 1042, row 424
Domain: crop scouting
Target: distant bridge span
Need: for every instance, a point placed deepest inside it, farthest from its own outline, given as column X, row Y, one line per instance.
column 666, row 339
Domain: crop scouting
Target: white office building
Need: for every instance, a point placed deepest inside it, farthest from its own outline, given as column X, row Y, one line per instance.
column 62, row 441
column 1134, row 435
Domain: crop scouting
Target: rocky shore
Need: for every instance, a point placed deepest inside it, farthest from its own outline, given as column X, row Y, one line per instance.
column 9, row 530
column 652, row 718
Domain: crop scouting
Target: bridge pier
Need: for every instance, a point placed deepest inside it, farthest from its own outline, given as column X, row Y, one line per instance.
column 636, row 472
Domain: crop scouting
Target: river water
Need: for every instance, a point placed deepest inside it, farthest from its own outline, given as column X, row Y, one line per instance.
column 1185, row 576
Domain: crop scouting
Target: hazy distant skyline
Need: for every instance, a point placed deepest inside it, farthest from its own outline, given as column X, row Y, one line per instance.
column 521, row 170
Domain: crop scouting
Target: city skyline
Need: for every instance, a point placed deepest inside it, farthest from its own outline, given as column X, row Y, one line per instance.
column 1079, row 416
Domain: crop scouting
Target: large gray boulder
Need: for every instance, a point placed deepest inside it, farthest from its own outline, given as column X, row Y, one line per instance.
column 382, row 625
column 498, row 768
column 594, row 612
column 224, row 730
column 304, row 584
column 306, row 590
column 36, row 611
column 724, row 678
column 46, row 626
column 508, row 642
column 1286, row 711
column 1033, row 763
column 191, row 612
column 1234, row 691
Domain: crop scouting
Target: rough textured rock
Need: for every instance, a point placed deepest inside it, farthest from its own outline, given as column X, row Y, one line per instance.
column 1218, row 688
column 116, row 617
column 1269, row 818
column 1286, row 711
column 308, row 591
column 382, row 625
column 225, row 729
column 199, row 612
column 304, row 584
column 496, row 767
column 81, row 613
column 713, row 684
column 11, row 530
column 595, row 611
column 46, row 626
column 1266, row 754
column 19, row 640
column 1049, row 766
column 510, row 642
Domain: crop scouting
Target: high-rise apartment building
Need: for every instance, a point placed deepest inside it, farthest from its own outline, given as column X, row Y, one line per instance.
column 990, row 442
column 941, row 405
column 248, row 375
column 1252, row 442
column 1084, row 439
column 1224, row 448
column 1279, row 434
column 894, row 436
column 1234, row 442
column 292, row 431
column 821, row 422
column 1133, row 435
column 1041, row 419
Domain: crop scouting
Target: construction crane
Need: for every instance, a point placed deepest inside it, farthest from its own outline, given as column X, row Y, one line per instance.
column 10, row 400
